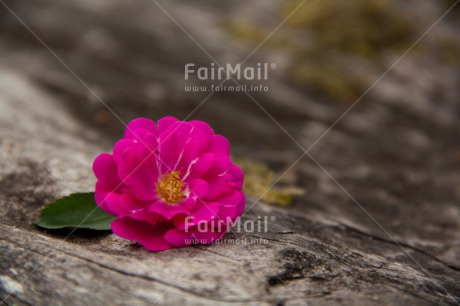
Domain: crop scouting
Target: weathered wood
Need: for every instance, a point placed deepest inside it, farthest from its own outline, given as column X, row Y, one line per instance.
column 396, row 155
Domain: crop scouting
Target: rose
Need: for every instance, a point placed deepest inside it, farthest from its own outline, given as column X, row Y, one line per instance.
column 163, row 180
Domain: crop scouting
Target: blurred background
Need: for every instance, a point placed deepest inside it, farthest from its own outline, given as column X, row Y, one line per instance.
column 396, row 152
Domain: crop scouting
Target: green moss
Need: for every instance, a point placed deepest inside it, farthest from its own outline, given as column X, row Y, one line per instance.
column 328, row 77
column 448, row 51
column 259, row 181
column 344, row 33
column 246, row 32
column 328, row 40
column 359, row 27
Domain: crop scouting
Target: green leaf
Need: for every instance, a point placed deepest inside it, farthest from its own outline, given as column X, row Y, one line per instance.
column 78, row 210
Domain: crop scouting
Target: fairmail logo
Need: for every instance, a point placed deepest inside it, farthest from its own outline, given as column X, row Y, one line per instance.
column 258, row 225
column 228, row 72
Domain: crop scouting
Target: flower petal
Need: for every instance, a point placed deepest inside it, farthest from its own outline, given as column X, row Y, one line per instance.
column 169, row 152
column 178, row 238
column 151, row 237
column 238, row 177
column 168, row 211
column 199, row 167
column 205, row 212
column 198, row 188
column 226, row 212
column 128, row 203
column 112, row 200
column 165, row 122
column 120, row 147
column 200, row 136
column 138, row 169
column 231, row 200
column 137, row 128
column 230, row 205
column 241, row 205
column 105, row 169
column 219, row 186
column 100, row 193
column 220, row 145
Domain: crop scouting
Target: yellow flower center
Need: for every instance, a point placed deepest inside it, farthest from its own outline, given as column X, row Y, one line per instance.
column 170, row 188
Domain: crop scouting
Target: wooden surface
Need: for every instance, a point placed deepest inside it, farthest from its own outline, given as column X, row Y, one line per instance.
column 379, row 223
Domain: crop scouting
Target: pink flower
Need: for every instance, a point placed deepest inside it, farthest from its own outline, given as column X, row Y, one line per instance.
column 169, row 184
